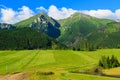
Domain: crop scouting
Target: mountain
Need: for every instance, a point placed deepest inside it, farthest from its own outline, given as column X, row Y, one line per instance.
column 4, row 26
column 26, row 38
column 78, row 31
column 43, row 23
column 78, row 26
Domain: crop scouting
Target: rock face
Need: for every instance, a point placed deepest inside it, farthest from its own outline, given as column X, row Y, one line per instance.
column 42, row 23
column 47, row 25
column 4, row 26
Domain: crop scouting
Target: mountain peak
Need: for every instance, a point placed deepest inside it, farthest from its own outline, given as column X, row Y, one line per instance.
column 41, row 17
column 79, row 15
column 42, row 14
column 4, row 26
column 43, row 23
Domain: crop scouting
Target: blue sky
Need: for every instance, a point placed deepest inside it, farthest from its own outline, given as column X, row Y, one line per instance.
column 22, row 9
column 75, row 4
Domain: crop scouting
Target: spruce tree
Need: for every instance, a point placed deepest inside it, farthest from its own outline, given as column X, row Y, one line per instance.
column 107, row 62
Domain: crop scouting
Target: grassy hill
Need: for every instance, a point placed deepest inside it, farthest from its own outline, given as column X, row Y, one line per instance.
column 78, row 26
column 58, row 61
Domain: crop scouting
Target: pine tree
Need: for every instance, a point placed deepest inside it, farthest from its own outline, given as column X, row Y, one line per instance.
column 107, row 62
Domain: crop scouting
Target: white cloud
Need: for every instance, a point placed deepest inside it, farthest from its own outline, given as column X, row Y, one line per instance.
column 41, row 8
column 61, row 13
column 117, row 13
column 100, row 13
column 8, row 15
column 24, row 13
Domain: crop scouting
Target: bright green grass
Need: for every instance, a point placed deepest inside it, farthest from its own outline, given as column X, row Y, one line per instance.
column 69, row 76
column 28, row 60
column 87, row 77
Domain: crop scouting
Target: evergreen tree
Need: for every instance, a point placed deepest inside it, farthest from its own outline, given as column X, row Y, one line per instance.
column 107, row 62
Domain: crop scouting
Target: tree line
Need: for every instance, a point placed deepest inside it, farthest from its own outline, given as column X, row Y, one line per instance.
column 26, row 38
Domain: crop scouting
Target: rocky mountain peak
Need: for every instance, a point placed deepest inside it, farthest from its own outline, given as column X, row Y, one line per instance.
column 41, row 18
column 5, row 26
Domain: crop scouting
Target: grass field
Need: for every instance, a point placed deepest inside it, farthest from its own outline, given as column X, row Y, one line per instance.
column 58, row 61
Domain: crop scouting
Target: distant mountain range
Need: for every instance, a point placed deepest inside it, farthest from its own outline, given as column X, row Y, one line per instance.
column 78, row 31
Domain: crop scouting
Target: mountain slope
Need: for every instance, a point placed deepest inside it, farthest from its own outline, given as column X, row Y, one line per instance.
column 107, row 37
column 43, row 23
column 78, row 26
column 26, row 38
column 78, row 30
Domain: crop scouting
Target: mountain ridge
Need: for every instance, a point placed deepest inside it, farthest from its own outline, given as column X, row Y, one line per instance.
column 77, row 30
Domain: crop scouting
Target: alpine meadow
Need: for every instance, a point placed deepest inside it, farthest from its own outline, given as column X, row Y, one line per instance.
column 76, row 43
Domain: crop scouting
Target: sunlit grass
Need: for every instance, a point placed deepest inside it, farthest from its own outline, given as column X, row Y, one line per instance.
column 58, row 61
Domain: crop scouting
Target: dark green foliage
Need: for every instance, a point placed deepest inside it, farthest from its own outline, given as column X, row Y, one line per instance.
column 45, row 73
column 78, row 49
column 96, row 71
column 107, row 62
column 73, row 49
column 26, row 38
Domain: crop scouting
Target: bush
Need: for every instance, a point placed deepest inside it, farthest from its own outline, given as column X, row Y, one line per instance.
column 45, row 73
column 96, row 71
column 73, row 48
column 107, row 62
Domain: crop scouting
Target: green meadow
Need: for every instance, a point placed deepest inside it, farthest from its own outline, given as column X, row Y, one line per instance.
column 61, row 62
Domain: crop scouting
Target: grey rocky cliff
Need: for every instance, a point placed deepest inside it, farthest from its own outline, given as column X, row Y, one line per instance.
column 47, row 25
column 5, row 26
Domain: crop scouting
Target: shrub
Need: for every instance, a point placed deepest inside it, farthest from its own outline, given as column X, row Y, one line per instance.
column 107, row 62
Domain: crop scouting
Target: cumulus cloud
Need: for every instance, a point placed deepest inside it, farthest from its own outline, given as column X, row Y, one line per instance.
column 24, row 13
column 41, row 8
column 61, row 13
column 8, row 15
column 108, row 14
column 117, row 13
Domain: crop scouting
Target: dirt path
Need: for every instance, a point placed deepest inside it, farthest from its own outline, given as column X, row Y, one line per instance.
column 18, row 76
column 23, row 75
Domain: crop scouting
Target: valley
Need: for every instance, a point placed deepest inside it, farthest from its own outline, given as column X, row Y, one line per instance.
column 43, row 48
column 34, row 63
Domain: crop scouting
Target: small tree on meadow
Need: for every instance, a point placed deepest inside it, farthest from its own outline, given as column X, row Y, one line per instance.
column 107, row 62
